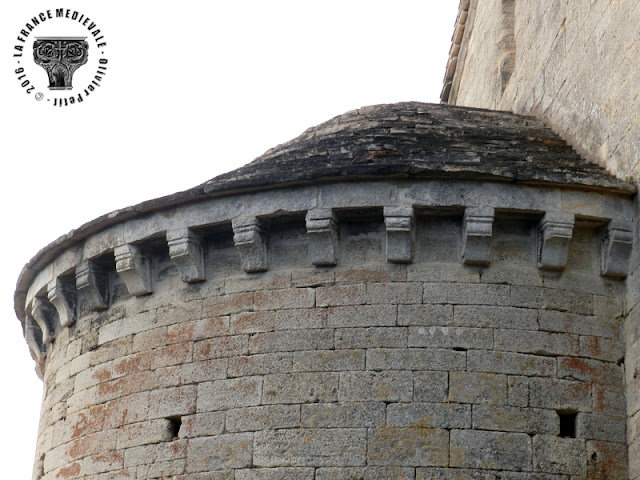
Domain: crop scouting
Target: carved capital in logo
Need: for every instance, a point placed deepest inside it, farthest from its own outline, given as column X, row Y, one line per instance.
column 60, row 57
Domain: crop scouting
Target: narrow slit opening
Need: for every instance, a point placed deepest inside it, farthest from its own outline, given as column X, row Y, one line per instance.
column 175, row 423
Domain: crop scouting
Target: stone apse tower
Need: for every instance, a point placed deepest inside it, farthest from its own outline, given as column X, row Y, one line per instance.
column 406, row 291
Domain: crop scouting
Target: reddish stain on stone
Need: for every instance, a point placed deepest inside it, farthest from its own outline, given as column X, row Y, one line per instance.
column 108, row 388
column 70, row 471
column 135, row 363
column 579, row 366
column 183, row 334
column 80, row 426
column 102, row 375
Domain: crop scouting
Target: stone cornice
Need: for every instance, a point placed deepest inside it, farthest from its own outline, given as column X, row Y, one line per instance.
column 47, row 297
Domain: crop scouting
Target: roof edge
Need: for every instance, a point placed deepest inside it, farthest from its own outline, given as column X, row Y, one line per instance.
column 457, row 50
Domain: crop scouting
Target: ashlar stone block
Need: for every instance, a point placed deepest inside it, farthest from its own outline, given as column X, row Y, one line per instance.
column 493, row 450
column 408, row 447
column 312, row 447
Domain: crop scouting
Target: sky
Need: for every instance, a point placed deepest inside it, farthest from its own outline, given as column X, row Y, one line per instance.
column 191, row 90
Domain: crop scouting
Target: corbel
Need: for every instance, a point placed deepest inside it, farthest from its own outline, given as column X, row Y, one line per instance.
column 185, row 250
column 399, row 223
column 92, row 284
column 322, row 230
column 249, row 238
column 64, row 303
column 554, row 237
column 134, row 268
column 477, row 232
column 42, row 316
column 616, row 247
column 33, row 336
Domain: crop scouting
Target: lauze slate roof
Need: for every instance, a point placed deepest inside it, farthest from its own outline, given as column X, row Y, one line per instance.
column 419, row 140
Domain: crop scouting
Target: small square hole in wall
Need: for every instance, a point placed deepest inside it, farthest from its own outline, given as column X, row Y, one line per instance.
column 175, row 423
column 567, row 424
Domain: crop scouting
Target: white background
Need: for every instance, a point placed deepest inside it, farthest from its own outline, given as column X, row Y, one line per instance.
column 192, row 90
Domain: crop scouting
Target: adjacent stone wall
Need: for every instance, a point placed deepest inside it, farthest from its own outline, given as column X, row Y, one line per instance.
column 575, row 68
column 632, row 365
column 391, row 330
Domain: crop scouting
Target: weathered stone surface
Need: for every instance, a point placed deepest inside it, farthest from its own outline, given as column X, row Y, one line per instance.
column 250, row 419
column 511, row 419
column 451, row 337
column 563, row 395
column 511, row 363
column 429, row 415
column 343, row 415
column 430, row 386
column 300, row 388
column 232, row 393
column 376, row 386
column 404, row 447
column 600, row 427
column 477, row 388
column 315, row 447
column 220, row 452
column 414, row 359
column 491, row 450
column 284, row 473
column 364, row 473
column 559, row 455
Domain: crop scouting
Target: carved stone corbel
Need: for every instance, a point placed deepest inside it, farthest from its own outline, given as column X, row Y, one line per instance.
column 33, row 336
column 477, row 232
column 615, row 250
column 91, row 282
column 555, row 232
column 42, row 316
column 322, row 229
column 399, row 225
column 185, row 251
column 134, row 268
column 64, row 303
column 248, row 236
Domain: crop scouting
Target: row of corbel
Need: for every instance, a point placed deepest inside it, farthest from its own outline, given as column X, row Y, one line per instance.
column 249, row 234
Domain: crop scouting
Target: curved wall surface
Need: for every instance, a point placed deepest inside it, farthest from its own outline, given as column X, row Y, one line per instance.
column 374, row 330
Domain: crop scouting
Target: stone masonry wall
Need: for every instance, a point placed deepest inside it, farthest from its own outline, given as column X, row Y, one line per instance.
column 575, row 68
column 455, row 357
column 632, row 364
